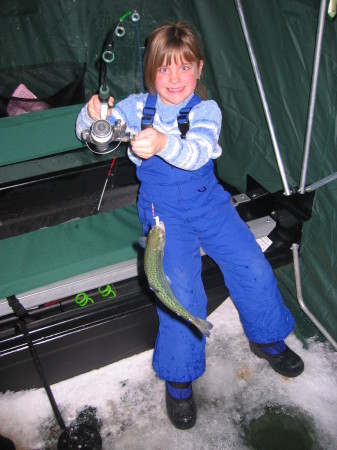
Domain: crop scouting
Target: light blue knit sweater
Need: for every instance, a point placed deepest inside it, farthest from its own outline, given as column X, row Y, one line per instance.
column 200, row 145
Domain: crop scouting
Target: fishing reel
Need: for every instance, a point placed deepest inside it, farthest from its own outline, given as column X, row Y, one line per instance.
column 102, row 133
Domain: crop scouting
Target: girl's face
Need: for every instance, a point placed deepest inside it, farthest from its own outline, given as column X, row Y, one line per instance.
column 177, row 81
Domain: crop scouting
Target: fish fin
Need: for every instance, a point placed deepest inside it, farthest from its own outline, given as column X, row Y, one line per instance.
column 203, row 326
column 154, row 290
column 142, row 241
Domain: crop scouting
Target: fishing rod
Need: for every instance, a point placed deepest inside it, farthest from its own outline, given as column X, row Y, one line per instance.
column 101, row 132
column 106, row 182
column 77, row 435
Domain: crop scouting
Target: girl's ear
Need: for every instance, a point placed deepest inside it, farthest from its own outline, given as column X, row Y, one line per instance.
column 200, row 66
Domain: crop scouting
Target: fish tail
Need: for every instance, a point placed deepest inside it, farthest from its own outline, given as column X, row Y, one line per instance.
column 204, row 326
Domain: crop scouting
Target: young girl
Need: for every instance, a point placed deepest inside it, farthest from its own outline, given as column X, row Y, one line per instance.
column 177, row 178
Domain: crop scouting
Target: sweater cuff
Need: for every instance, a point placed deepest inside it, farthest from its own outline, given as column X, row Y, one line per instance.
column 87, row 117
column 166, row 153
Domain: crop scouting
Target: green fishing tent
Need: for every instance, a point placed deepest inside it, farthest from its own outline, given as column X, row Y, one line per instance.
column 259, row 54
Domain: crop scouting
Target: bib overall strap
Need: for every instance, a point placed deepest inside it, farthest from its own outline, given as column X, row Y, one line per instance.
column 149, row 111
column 182, row 119
column 183, row 122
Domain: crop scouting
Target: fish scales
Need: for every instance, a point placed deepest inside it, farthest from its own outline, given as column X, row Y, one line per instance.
column 153, row 264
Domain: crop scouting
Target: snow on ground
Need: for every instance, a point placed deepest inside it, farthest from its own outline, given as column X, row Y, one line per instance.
column 236, row 389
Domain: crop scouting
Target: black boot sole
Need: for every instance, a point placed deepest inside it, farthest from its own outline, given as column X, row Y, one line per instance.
column 287, row 363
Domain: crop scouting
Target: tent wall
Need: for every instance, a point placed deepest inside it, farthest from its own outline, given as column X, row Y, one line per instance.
column 283, row 37
column 44, row 36
column 40, row 36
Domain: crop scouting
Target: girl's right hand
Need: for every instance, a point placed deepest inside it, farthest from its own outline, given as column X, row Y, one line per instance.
column 94, row 107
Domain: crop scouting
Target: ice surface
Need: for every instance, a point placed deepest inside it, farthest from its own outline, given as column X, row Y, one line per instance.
column 235, row 389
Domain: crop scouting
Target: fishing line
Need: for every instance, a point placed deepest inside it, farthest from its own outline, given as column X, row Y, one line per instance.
column 103, row 153
column 140, row 57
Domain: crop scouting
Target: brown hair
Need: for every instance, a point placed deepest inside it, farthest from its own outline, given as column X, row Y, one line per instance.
column 171, row 40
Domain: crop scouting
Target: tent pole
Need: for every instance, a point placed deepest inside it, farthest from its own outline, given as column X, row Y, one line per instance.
column 313, row 91
column 321, row 182
column 300, row 299
column 263, row 97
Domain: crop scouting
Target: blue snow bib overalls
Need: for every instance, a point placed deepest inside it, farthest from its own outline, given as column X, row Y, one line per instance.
column 197, row 214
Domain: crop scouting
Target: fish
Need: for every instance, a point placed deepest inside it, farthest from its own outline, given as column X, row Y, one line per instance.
column 154, row 245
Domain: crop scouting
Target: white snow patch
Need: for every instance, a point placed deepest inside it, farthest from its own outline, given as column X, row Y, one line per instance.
column 130, row 398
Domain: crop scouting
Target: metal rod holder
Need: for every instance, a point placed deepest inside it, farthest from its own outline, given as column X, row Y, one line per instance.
column 300, row 299
column 263, row 97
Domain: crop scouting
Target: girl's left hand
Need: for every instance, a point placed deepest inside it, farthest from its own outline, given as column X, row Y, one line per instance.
column 148, row 142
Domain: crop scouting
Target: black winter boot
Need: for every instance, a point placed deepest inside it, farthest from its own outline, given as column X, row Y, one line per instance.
column 182, row 411
column 283, row 360
column 6, row 444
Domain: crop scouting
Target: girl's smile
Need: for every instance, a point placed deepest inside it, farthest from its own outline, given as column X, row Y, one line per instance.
column 177, row 81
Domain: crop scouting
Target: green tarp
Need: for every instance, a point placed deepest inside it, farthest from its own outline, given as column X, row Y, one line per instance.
column 29, row 136
column 283, row 37
column 53, row 254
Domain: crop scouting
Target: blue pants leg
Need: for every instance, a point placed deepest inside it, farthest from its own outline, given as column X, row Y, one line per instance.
column 247, row 273
column 179, row 353
column 210, row 221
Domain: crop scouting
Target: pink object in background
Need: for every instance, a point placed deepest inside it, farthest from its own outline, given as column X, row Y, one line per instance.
column 18, row 106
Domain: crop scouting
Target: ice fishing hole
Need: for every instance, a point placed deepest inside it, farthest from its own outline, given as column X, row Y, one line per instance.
column 280, row 427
